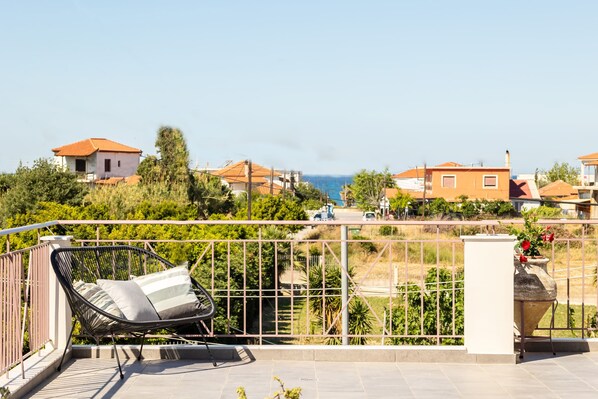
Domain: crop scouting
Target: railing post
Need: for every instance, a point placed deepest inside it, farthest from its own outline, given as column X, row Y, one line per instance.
column 60, row 316
column 345, row 283
column 489, row 294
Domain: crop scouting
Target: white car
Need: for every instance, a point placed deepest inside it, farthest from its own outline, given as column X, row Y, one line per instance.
column 369, row 216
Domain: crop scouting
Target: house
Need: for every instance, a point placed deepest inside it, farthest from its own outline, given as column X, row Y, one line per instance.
column 263, row 180
column 98, row 159
column 588, row 191
column 524, row 194
column 451, row 180
column 564, row 194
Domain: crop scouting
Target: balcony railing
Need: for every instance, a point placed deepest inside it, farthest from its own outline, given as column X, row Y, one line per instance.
column 285, row 282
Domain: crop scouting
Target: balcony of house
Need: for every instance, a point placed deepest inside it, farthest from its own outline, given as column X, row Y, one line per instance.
column 338, row 308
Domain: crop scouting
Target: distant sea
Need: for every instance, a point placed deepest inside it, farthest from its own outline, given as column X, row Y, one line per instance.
column 329, row 184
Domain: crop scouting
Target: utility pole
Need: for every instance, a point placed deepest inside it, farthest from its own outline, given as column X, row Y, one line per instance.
column 424, row 203
column 248, row 174
column 271, row 180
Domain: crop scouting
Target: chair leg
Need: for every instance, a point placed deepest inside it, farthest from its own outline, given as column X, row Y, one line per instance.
column 206, row 343
column 120, row 370
column 66, row 347
column 141, row 347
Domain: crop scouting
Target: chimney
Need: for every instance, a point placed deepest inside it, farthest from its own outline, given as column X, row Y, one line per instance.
column 508, row 160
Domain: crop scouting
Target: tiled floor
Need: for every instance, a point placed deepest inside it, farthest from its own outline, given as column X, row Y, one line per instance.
column 540, row 376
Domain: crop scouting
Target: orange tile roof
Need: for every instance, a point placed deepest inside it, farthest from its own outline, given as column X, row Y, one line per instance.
column 558, row 189
column 392, row 192
column 411, row 174
column 449, row 164
column 85, row 148
column 237, row 170
column 522, row 189
column 589, row 156
column 265, row 189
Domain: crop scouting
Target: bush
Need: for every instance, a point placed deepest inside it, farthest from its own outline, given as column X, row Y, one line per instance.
column 367, row 245
column 388, row 230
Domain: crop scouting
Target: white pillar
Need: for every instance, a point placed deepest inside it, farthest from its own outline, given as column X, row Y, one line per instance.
column 60, row 316
column 489, row 294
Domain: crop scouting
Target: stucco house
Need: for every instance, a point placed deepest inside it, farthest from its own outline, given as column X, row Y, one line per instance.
column 98, row 159
column 588, row 191
column 263, row 180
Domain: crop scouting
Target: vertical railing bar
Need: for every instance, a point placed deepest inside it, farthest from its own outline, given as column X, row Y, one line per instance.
column 26, row 284
column 422, row 287
column 568, row 279
column 292, row 288
column 276, row 288
column 583, row 278
column 213, row 244
column 454, row 329
column 406, row 304
column 391, row 276
column 323, row 290
column 438, row 293
column 261, row 286
column 307, row 274
column 228, row 304
column 244, row 287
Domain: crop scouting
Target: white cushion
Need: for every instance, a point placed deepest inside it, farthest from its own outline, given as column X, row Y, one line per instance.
column 131, row 300
column 171, row 292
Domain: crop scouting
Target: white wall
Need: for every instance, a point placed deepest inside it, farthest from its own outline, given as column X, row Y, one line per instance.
column 128, row 164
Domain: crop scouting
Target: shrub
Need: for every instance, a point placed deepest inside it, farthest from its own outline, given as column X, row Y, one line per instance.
column 388, row 230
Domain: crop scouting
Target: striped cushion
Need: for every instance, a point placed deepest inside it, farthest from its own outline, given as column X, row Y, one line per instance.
column 170, row 292
column 100, row 299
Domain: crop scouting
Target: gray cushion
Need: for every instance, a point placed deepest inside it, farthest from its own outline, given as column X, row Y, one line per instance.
column 131, row 300
column 171, row 292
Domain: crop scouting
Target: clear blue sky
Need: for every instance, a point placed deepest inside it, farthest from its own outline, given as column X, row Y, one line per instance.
column 326, row 87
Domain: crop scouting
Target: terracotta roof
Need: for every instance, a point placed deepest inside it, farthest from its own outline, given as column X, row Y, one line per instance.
column 449, row 164
column 589, row 156
column 410, row 174
column 392, row 192
column 85, row 148
column 558, row 189
column 523, row 189
column 265, row 189
column 237, row 170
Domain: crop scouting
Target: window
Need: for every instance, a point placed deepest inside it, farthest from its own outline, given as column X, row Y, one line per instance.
column 118, row 163
column 80, row 165
column 106, row 165
column 449, row 181
column 490, row 181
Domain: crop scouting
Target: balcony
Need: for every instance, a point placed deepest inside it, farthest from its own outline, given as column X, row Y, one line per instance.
column 274, row 320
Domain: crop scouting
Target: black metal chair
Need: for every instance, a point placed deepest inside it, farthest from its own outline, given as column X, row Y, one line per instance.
column 90, row 263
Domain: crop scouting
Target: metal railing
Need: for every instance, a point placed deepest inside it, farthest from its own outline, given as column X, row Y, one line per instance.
column 24, row 315
column 281, row 282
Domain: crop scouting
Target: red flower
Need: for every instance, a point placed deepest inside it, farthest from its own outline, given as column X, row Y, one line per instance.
column 551, row 237
column 525, row 244
column 522, row 258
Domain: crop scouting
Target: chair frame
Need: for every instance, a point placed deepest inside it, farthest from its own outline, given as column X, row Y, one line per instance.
column 118, row 262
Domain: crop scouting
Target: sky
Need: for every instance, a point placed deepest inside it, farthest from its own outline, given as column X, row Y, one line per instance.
column 325, row 87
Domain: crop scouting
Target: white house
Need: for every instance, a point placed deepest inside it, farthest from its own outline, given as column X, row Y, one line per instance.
column 96, row 159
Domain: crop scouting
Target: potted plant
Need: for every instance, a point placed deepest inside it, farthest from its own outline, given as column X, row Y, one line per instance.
column 534, row 288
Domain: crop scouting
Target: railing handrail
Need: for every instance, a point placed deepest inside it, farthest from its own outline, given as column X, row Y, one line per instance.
column 486, row 222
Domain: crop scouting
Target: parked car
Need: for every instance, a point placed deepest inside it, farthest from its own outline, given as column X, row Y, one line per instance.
column 369, row 216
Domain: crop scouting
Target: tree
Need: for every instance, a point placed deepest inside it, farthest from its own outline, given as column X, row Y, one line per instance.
column 368, row 188
column 563, row 171
column 309, row 196
column 209, row 195
column 44, row 182
column 149, row 170
column 174, row 156
column 401, row 201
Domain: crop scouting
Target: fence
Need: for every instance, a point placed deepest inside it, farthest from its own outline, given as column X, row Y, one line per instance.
column 282, row 282
column 24, row 317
